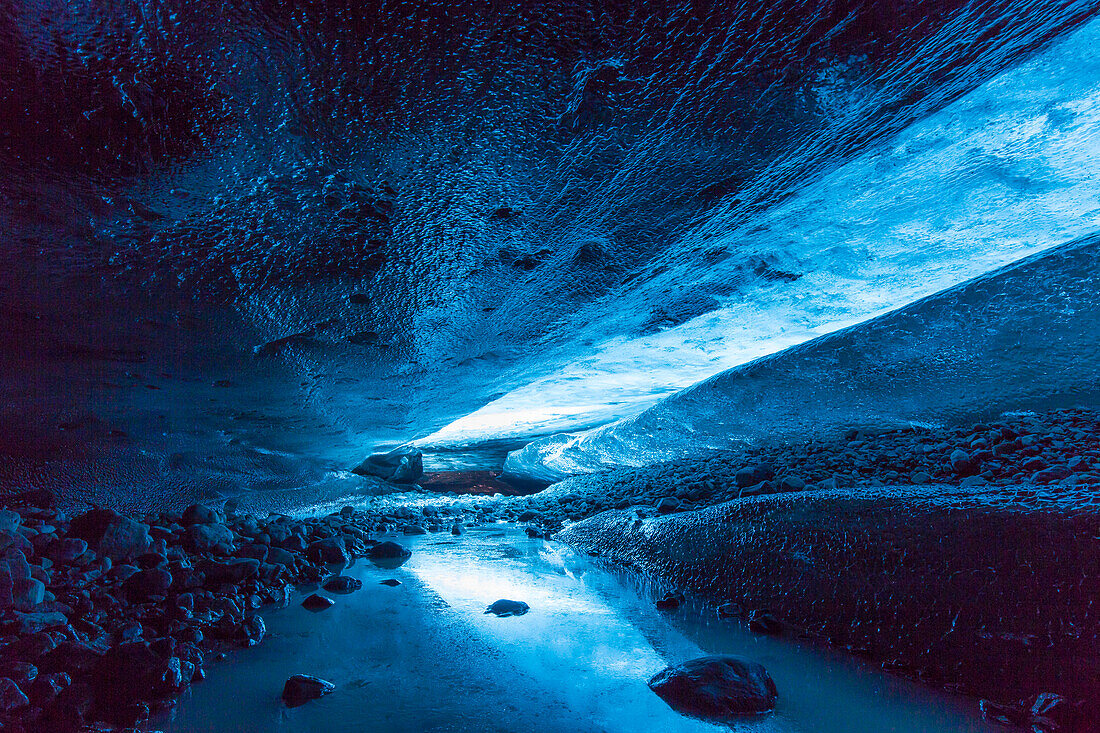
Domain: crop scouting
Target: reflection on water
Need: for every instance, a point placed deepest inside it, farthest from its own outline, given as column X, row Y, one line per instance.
column 424, row 656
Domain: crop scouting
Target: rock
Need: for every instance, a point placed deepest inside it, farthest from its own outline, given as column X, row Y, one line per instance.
column 111, row 534
column 388, row 554
column 231, row 572
column 317, row 603
column 46, row 687
column 668, row 505
column 920, row 478
column 505, row 608
column 279, row 556
column 123, row 539
column 32, row 623
column 765, row 622
column 670, row 602
column 1050, row 475
column 11, row 697
column 716, row 688
column 67, row 550
column 133, row 669
column 730, row 610
column 456, row 529
column 752, row 475
column 301, row 688
column 26, row 593
column 9, row 520
column 791, row 483
column 391, row 582
column 328, row 550
column 343, row 584
column 401, row 466
column 21, row 673
column 213, row 538
column 413, row 529
column 147, row 583
column 251, row 631
column 199, row 514
column 962, row 463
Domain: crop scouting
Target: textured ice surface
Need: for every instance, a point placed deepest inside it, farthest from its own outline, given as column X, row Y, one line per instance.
column 1023, row 337
column 242, row 246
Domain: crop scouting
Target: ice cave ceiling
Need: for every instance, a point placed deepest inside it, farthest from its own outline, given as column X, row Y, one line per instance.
column 273, row 236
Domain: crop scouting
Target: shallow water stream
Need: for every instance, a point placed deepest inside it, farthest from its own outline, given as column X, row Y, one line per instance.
column 423, row 656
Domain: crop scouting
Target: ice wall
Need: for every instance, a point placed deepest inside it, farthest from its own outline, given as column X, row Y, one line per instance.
column 1022, row 337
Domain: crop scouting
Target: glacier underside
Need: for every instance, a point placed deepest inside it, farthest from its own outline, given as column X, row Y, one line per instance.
column 1024, row 337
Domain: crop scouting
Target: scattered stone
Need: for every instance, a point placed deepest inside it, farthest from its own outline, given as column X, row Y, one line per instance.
column 719, row 688
column 301, row 688
column 670, row 601
column 391, row 582
column 505, row 608
column 765, row 622
column 388, row 554
column 251, row 631
column 316, row 603
column 343, row 584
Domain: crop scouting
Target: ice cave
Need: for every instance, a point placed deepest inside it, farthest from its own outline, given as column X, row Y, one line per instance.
column 588, row 366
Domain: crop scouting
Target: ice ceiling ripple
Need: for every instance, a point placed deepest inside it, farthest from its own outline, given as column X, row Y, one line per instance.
column 512, row 220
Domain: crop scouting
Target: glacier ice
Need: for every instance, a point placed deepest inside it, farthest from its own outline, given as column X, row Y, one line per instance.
column 1023, row 337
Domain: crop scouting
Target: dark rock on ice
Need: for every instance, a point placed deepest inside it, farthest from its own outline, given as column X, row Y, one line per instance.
column 391, row 582
column 329, row 550
column 670, row 602
column 765, row 622
column 301, row 688
column 716, row 688
column 343, row 584
column 505, row 608
column 316, row 603
column 388, row 554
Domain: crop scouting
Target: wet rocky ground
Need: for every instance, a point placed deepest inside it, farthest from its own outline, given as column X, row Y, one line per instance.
column 923, row 549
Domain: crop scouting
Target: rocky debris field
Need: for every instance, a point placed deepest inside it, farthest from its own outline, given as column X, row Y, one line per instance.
column 1026, row 450
column 105, row 619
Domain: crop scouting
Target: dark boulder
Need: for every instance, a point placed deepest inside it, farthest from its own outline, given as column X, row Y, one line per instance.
column 317, row 603
column 301, row 688
column 388, row 554
column 199, row 514
column 111, row 534
column 505, row 608
column 716, row 688
column 343, row 584
column 147, row 583
column 328, row 550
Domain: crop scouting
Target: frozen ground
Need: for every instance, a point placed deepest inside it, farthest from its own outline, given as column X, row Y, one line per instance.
column 424, row 657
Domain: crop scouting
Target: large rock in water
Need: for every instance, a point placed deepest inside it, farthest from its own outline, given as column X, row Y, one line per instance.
column 401, row 466
column 716, row 688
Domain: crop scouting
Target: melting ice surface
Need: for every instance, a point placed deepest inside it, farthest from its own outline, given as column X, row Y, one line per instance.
column 1005, row 172
column 425, row 657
